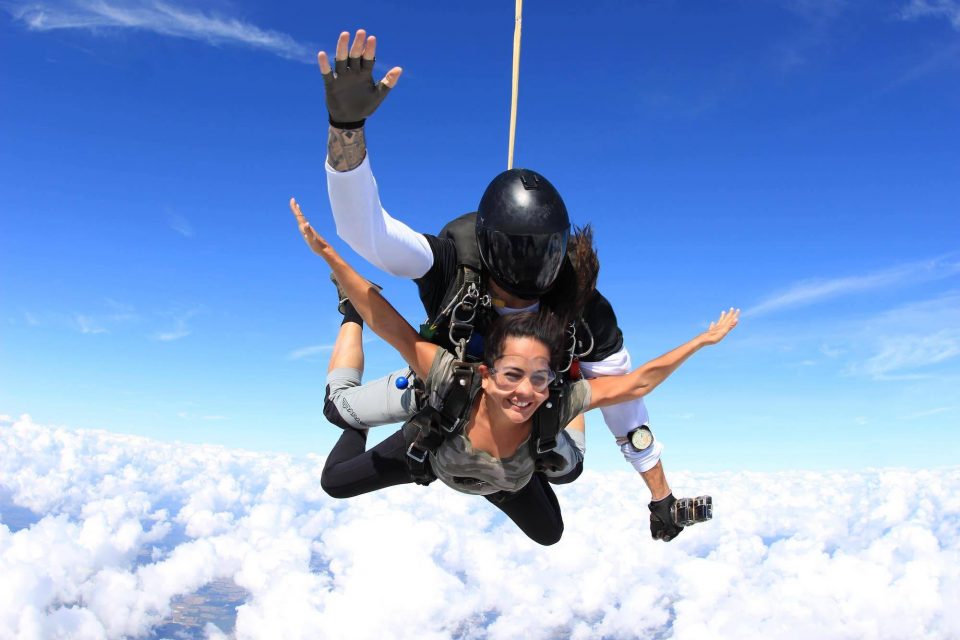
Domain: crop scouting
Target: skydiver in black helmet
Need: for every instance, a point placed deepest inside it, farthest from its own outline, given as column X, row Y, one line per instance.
column 517, row 242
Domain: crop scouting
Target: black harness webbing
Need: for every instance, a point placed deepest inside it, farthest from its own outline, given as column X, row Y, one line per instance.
column 464, row 304
column 546, row 428
column 433, row 425
column 430, row 426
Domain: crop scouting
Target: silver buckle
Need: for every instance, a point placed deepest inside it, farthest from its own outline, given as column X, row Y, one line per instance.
column 550, row 448
column 411, row 454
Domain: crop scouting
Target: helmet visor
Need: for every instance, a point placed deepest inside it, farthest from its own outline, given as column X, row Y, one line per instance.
column 525, row 265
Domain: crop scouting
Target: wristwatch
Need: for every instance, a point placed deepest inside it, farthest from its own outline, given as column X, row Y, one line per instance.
column 640, row 438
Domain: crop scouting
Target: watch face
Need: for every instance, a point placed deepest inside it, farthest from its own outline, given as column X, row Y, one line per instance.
column 641, row 438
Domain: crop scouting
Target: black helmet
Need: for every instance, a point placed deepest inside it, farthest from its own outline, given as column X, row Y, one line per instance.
column 522, row 231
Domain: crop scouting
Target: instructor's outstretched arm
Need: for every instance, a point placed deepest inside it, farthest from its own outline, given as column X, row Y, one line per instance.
column 352, row 97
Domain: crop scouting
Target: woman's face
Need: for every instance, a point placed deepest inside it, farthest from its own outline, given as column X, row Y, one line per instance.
column 516, row 385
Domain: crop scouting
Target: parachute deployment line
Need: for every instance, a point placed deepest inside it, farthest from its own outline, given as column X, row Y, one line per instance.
column 516, row 82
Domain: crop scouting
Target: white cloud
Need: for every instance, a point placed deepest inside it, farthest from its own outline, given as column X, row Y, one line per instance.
column 180, row 224
column 910, row 353
column 309, row 352
column 126, row 525
column 912, row 338
column 169, row 336
column 180, row 330
column 927, row 413
column 118, row 313
column 949, row 9
column 814, row 291
column 916, row 340
column 88, row 324
column 830, row 351
column 159, row 17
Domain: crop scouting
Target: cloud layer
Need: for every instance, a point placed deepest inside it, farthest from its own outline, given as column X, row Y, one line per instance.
column 159, row 17
column 124, row 525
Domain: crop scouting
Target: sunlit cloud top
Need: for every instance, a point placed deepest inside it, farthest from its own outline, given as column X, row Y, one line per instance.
column 120, row 528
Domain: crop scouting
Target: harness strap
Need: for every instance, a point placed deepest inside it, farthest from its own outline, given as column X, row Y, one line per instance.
column 465, row 296
column 430, row 426
column 546, row 428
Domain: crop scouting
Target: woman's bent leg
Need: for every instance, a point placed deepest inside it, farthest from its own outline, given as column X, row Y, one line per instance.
column 351, row 471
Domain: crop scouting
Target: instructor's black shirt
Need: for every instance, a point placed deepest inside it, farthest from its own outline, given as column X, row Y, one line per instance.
column 433, row 285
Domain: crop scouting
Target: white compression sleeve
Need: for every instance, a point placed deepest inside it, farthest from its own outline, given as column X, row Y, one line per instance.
column 362, row 223
column 623, row 418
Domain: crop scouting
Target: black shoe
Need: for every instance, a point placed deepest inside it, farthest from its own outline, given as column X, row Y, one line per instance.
column 343, row 303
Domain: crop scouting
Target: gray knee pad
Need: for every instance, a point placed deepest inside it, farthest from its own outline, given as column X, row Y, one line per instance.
column 371, row 404
column 332, row 413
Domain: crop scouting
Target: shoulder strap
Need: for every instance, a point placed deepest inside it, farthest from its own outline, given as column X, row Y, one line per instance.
column 428, row 428
column 463, row 231
column 546, row 428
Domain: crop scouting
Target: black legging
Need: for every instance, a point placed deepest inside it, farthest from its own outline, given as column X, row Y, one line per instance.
column 351, row 471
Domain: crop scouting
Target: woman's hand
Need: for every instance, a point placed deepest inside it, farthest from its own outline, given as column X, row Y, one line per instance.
column 313, row 239
column 721, row 327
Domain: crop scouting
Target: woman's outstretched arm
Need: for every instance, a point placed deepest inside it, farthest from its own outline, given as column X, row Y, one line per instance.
column 379, row 315
column 610, row 390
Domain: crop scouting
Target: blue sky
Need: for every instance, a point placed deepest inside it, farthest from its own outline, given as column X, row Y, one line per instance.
column 798, row 160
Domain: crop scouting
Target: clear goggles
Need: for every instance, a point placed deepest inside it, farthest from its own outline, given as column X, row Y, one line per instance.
column 510, row 371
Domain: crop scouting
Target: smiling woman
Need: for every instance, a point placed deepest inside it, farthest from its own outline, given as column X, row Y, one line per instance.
column 484, row 429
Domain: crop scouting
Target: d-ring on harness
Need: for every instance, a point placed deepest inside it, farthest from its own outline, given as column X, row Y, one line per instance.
column 463, row 315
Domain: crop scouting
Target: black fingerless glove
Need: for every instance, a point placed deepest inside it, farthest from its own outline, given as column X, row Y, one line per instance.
column 662, row 526
column 352, row 95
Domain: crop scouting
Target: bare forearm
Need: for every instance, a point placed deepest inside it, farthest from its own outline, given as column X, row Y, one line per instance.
column 346, row 148
column 656, row 481
column 376, row 312
column 651, row 374
column 610, row 390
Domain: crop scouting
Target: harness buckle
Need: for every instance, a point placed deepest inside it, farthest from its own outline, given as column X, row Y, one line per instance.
column 551, row 444
column 460, row 331
column 455, row 425
column 423, row 452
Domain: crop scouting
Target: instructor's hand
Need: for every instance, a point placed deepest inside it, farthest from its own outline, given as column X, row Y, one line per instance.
column 662, row 526
column 352, row 95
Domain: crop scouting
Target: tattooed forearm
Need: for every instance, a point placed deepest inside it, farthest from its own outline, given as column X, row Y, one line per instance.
column 346, row 148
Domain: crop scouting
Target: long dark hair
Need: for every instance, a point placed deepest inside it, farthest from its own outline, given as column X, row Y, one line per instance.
column 544, row 326
column 577, row 281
